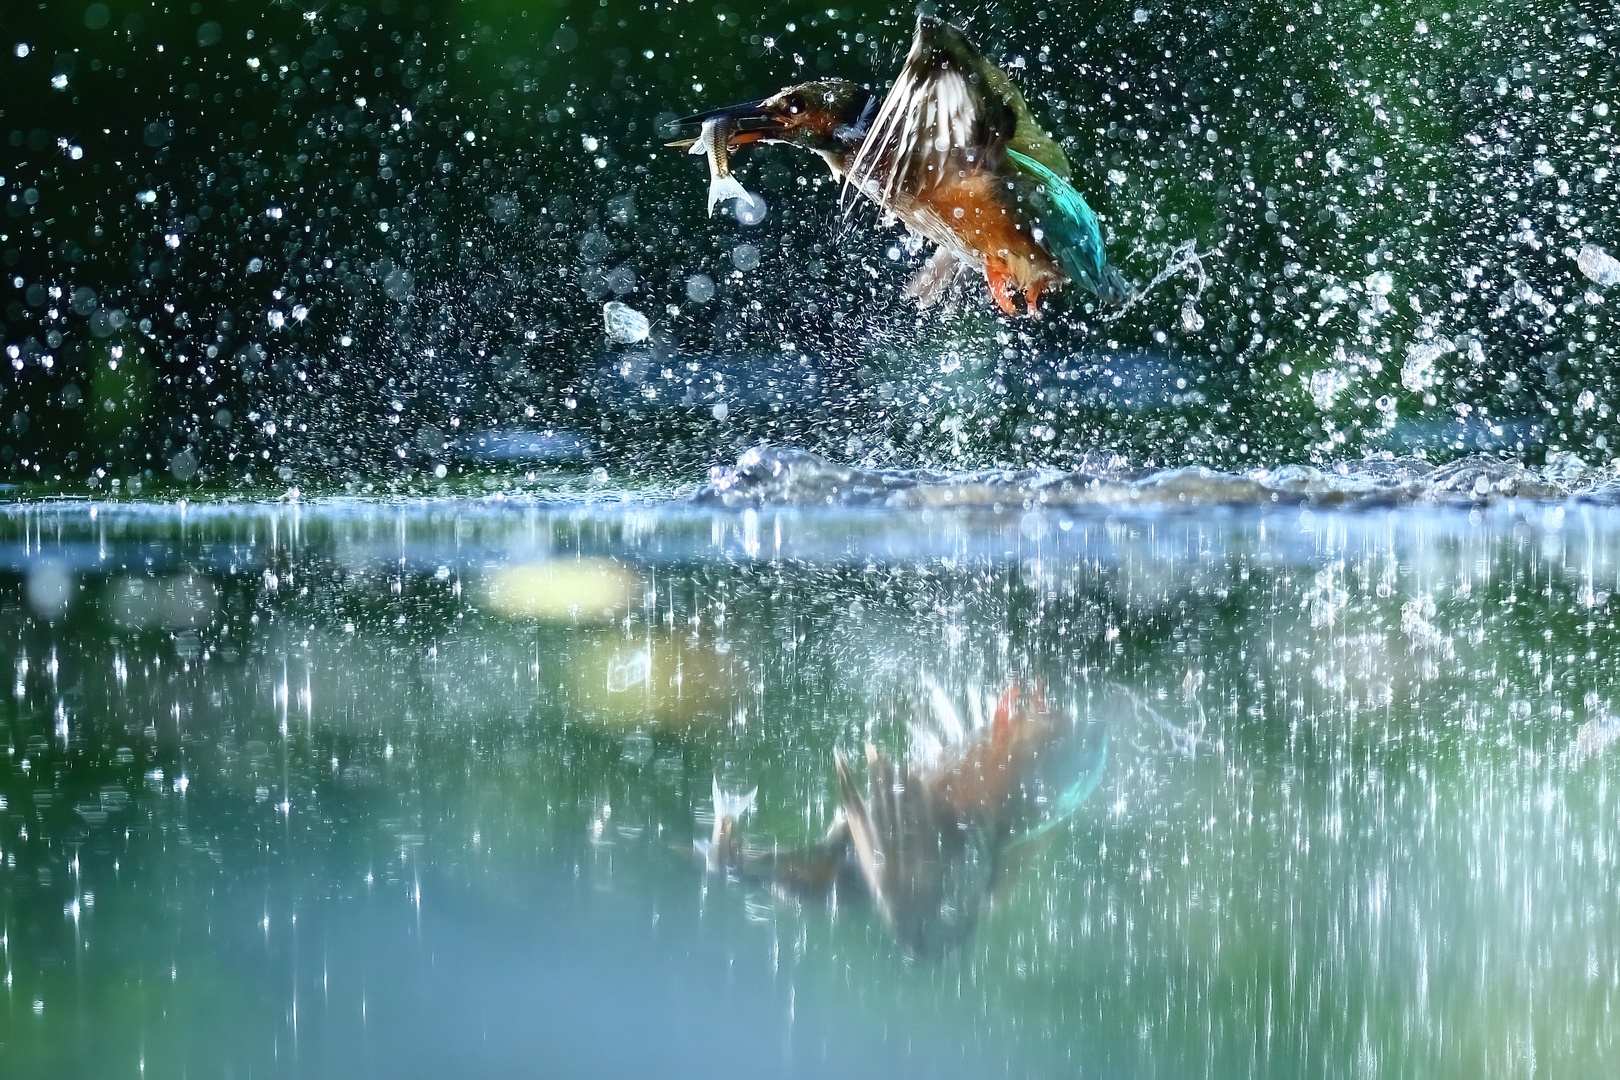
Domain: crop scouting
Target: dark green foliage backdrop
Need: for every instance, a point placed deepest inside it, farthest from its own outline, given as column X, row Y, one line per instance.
column 251, row 245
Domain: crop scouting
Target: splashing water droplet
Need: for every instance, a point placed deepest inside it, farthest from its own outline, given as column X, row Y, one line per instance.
column 750, row 210
column 700, row 288
column 624, row 323
column 1598, row 265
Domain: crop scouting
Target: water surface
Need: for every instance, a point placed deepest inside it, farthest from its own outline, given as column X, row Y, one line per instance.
column 357, row 788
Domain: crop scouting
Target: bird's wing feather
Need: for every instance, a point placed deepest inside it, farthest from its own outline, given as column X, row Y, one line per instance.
column 948, row 110
column 1028, row 138
column 862, row 832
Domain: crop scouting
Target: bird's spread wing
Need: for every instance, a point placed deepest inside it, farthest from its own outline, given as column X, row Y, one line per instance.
column 949, row 110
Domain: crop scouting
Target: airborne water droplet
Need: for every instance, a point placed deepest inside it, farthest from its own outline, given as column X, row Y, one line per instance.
column 750, row 210
column 624, row 323
column 700, row 288
column 1598, row 265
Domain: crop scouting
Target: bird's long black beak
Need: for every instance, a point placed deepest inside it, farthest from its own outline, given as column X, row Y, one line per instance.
column 747, row 114
column 752, row 121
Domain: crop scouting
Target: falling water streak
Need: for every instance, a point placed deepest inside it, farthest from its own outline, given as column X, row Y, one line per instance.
column 1184, row 259
column 1355, row 798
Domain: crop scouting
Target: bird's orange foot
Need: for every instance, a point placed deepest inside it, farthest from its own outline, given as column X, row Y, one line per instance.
column 1002, row 287
column 1032, row 300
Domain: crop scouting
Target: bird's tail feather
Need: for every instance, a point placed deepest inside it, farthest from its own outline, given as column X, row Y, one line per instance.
column 1072, row 233
column 1112, row 290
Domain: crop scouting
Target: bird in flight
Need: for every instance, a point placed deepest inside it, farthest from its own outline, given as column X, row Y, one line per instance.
column 954, row 154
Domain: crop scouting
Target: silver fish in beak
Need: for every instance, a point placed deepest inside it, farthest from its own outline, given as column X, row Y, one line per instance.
column 715, row 142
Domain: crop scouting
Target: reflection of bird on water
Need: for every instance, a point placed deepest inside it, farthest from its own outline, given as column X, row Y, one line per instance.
column 940, row 833
column 955, row 155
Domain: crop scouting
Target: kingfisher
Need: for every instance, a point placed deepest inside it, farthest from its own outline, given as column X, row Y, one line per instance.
column 953, row 153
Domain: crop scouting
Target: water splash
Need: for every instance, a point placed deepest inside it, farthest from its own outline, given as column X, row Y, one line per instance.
column 778, row 476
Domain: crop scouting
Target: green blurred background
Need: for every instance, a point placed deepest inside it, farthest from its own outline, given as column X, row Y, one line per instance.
column 251, row 245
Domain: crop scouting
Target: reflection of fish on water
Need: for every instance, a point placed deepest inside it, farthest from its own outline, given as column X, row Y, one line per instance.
column 939, row 834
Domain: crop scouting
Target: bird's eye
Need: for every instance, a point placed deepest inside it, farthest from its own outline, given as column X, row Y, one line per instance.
column 795, row 104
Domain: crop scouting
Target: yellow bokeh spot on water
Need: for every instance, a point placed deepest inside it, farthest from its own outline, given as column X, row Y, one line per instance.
column 562, row 590
column 662, row 677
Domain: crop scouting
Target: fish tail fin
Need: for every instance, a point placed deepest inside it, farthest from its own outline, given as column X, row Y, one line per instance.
column 724, row 847
column 724, row 189
column 731, row 805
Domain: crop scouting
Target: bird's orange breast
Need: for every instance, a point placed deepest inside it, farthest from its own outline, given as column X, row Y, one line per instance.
column 993, row 766
column 969, row 213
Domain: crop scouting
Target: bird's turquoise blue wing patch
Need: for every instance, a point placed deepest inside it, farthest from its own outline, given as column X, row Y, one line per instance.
column 1071, row 231
column 1087, row 765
